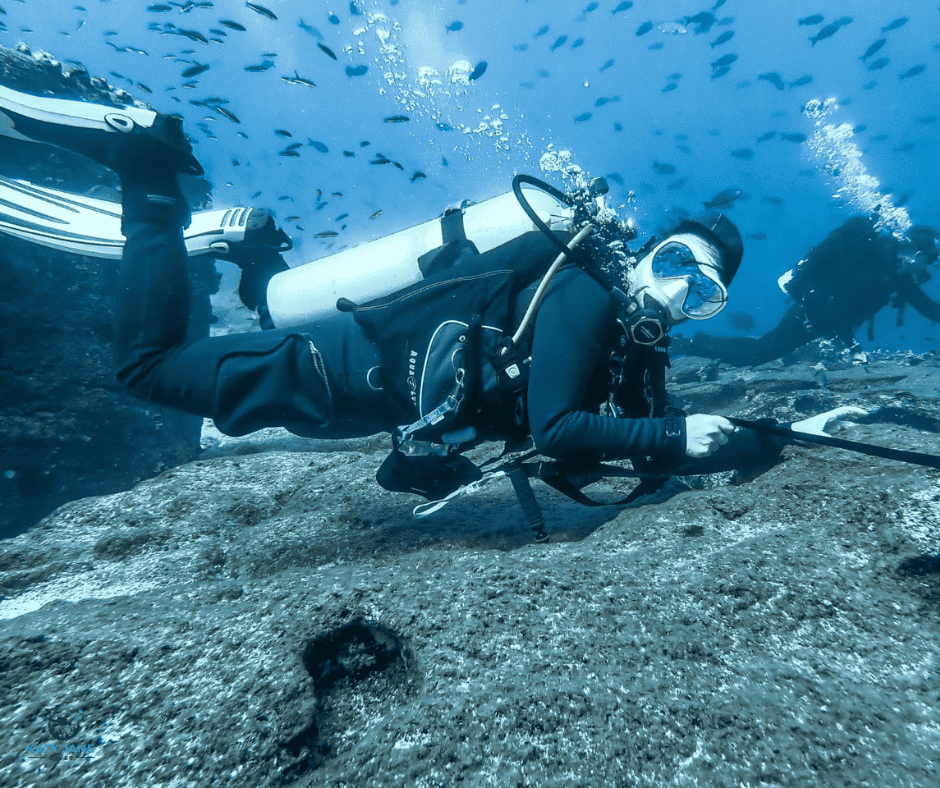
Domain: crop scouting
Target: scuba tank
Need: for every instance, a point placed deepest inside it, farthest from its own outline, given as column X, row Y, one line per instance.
column 309, row 292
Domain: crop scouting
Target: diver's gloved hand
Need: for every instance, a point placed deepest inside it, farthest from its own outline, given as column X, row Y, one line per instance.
column 816, row 425
column 704, row 434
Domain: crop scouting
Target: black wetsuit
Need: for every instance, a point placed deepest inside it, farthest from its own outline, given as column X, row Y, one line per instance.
column 314, row 381
column 844, row 281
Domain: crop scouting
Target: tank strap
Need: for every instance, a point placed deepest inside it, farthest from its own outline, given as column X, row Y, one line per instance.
column 452, row 228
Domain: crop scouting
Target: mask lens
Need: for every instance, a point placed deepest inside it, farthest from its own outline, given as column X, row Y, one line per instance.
column 672, row 260
column 705, row 296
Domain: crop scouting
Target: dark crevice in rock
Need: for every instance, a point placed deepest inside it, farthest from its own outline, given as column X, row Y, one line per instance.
column 921, row 565
column 354, row 651
column 923, row 572
column 361, row 671
column 811, row 404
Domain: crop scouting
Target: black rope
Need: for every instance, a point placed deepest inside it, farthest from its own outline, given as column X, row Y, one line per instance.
column 570, row 480
column 912, row 457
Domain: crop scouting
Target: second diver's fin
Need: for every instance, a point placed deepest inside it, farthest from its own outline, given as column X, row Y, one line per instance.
column 90, row 226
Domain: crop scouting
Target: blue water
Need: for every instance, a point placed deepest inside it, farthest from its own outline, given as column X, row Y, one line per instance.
column 543, row 96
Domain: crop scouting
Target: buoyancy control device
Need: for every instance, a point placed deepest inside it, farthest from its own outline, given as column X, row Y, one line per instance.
column 452, row 356
column 449, row 354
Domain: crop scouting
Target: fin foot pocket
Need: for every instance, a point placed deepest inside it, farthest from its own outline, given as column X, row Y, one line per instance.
column 121, row 138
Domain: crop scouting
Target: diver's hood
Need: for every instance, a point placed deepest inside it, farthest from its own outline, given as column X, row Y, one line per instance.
column 720, row 231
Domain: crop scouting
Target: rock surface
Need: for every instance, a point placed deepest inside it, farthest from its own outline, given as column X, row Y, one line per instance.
column 67, row 430
column 265, row 618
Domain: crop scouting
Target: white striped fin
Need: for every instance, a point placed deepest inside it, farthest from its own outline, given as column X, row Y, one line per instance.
column 90, row 226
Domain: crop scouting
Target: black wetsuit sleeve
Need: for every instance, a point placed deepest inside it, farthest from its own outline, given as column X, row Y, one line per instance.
column 918, row 299
column 568, row 381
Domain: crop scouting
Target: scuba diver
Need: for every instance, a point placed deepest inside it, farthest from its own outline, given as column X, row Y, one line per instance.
column 436, row 362
column 844, row 281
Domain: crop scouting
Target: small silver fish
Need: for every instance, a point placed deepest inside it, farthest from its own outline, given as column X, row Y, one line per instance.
column 225, row 113
column 262, row 10
column 193, row 71
column 299, row 80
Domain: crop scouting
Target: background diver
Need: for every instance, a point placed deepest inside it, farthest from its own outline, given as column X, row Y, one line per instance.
column 320, row 380
column 843, row 282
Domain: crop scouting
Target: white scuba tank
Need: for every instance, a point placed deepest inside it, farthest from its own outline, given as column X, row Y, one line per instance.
column 371, row 270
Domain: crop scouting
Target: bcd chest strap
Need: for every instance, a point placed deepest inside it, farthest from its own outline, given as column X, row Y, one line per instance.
column 563, row 477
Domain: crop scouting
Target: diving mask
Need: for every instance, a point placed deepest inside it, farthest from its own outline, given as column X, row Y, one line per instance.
column 681, row 273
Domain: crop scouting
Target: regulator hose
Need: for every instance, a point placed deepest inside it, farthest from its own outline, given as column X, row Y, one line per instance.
column 578, row 256
column 530, row 211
